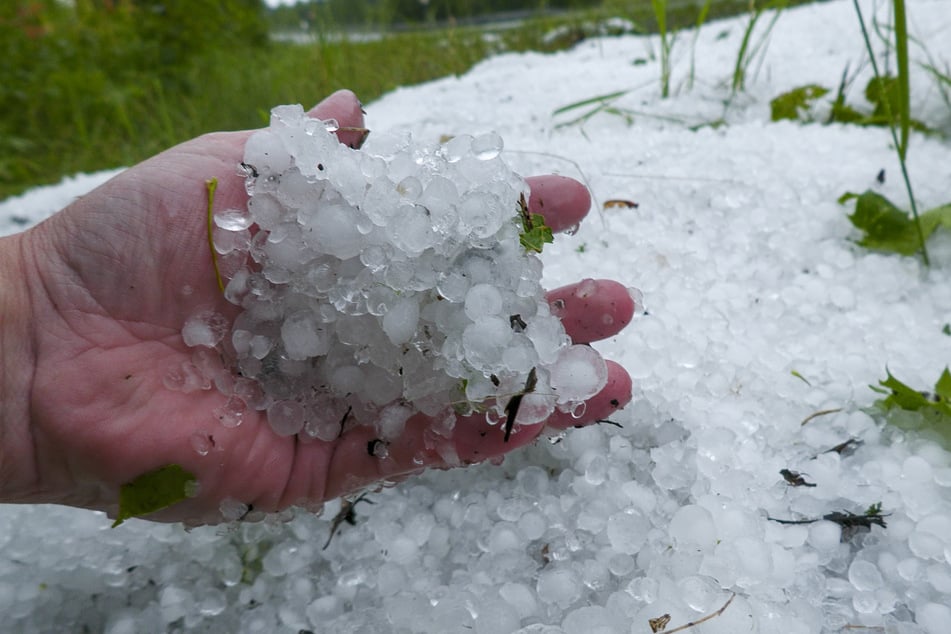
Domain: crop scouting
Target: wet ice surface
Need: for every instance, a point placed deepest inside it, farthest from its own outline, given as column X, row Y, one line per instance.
column 748, row 272
column 350, row 262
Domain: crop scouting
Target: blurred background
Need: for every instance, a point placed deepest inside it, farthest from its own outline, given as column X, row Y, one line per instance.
column 93, row 84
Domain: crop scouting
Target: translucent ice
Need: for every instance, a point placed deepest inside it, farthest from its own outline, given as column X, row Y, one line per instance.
column 578, row 374
column 204, row 329
column 692, row 526
column 560, row 586
column 303, row 336
column 627, row 532
column 483, row 300
column 286, row 417
column 400, row 320
column 865, row 576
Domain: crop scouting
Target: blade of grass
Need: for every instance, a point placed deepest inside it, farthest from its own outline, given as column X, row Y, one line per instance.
column 748, row 51
column 891, row 121
column 599, row 99
column 660, row 14
column 211, row 185
column 904, row 90
column 701, row 20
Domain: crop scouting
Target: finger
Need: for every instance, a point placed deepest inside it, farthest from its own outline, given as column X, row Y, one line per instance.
column 360, row 459
column 345, row 108
column 592, row 310
column 615, row 394
column 563, row 201
column 421, row 445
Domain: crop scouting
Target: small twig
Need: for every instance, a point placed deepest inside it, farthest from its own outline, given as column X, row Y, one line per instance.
column 345, row 514
column 211, row 185
column 821, row 412
column 841, row 448
column 343, row 421
column 511, row 408
column 712, row 615
column 794, row 478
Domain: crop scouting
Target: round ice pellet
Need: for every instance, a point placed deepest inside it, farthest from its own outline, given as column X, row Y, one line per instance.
column 692, row 526
column 483, row 300
column 286, row 417
column 578, row 374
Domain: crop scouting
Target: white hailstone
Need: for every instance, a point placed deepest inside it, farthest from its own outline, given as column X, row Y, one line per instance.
column 381, row 283
column 578, row 374
column 559, row 586
column 400, row 321
column 204, row 329
column 303, row 336
column 692, row 527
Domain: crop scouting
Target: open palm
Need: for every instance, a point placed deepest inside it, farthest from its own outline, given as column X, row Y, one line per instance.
column 112, row 279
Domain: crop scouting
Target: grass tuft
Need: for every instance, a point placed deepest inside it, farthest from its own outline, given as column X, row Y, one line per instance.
column 901, row 144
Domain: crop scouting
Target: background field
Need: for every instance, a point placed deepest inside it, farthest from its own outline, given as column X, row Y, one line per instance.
column 107, row 83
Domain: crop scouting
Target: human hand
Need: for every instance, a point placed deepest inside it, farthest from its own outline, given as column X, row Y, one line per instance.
column 94, row 308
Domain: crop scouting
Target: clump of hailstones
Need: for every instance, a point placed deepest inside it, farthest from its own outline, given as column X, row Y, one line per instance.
column 379, row 283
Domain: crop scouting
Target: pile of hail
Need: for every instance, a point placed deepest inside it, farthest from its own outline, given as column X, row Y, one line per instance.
column 379, row 283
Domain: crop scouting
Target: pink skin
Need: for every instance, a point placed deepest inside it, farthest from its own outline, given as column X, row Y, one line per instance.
column 96, row 304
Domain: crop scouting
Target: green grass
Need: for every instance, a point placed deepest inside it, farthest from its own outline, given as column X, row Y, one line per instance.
column 90, row 88
column 78, row 117
column 750, row 49
column 899, row 134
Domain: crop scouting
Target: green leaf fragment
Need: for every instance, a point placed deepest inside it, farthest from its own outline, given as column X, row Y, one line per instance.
column 153, row 491
column 947, row 329
column 888, row 228
column 795, row 103
column 943, row 387
column 800, row 377
column 536, row 234
column 934, row 407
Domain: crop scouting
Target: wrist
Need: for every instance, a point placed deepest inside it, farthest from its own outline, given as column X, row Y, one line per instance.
column 17, row 363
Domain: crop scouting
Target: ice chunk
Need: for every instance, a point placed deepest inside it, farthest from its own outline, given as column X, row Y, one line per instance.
column 627, row 531
column 286, row 417
column 480, row 214
column 558, row 586
column 232, row 219
column 175, row 603
column 332, row 229
column 933, row 617
column 483, row 300
column 484, row 339
column 692, row 527
column 496, row 616
column 232, row 510
column 391, row 421
column 411, row 229
column 457, row 147
column 400, row 321
column 520, row 597
column 865, row 576
column 503, row 537
column 265, row 152
column 204, row 329
column 303, row 336
column 824, row 535
column 486, row 146
column 578, row 374
column 231, row 413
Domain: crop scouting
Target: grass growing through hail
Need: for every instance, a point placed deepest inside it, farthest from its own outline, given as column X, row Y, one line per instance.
column 666, row 44
column 899, row 135
column 750, row 50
